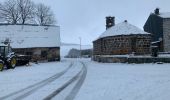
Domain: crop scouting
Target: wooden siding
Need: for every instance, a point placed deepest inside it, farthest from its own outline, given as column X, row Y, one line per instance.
column 40, row 54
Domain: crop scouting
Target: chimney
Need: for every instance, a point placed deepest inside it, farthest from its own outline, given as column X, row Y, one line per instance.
column 157, row 11
column 110, row 21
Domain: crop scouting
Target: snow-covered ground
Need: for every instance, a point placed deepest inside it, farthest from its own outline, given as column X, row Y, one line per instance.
column 21, row 77
column 82, row 79
column 126, row 82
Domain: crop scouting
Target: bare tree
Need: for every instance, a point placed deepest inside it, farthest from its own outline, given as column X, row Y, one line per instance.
column 44, row 15
column 26, row 9
column 9, row 11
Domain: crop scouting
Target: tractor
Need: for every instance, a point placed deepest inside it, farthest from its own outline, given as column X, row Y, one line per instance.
column 7, row 57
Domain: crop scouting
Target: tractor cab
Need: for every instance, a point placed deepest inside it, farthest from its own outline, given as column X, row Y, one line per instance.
column 5, row 50
column 7, row 57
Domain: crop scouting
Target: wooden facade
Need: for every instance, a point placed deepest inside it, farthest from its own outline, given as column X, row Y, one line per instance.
column 122, row 45
column 40, row 54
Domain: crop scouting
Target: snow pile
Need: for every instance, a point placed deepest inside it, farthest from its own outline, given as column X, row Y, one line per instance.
column 30, row 36
column 164, row 55
column 123, row 28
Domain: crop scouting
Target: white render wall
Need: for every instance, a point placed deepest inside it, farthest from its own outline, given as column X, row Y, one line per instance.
column 166, row 34
column 29, row 36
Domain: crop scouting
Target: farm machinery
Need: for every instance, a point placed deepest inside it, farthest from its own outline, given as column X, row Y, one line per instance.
column 9, row 59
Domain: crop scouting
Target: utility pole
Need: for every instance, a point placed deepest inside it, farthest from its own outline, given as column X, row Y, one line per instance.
column 80, row 46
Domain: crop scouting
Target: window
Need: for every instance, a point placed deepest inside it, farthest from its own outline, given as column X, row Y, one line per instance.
column 6, row 51
column 2, row 51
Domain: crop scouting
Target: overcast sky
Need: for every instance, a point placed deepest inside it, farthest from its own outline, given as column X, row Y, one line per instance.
column 86, row 18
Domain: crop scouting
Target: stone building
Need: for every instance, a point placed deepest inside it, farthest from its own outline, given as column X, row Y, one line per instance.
column 158, row 24
column 42, row 43
column 122, row 39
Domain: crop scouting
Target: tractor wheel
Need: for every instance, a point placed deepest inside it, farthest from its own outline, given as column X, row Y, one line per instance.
column 1, row 66
column 12, row 63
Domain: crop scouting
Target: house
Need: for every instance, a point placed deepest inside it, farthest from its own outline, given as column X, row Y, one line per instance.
column 42, row 43
column 122, row 39
column 158, row 24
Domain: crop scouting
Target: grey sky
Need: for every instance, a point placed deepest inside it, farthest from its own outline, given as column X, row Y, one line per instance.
column 86, row 18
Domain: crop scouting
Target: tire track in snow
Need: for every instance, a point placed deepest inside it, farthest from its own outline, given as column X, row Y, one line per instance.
column 78, row 85
column 76, row 88
column 32, row 88
column 56, row 92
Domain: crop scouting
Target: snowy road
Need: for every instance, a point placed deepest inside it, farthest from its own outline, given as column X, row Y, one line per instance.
column 80, row 76
column 32, row 88
column 82, row 79
column 75, row 72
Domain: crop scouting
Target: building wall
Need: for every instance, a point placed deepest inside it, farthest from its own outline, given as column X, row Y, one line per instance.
column 154, row 25
column 116, row 45
column 122, row 44
column 40, row 54
column 166, row 33
column 97, row 47
column 143, row 44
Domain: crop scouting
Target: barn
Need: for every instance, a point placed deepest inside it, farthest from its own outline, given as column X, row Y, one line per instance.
column 122, row 39
column 42, row 43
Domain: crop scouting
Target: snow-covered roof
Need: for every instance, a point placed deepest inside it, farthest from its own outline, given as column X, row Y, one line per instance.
column 123, row 28
column 30, row 36
column 165, row 15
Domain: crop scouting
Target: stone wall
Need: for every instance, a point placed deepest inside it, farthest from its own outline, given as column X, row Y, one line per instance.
column 104, row 59
column 136, row 60
column 166, row 35
column 122, row 44
column 97, row 47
